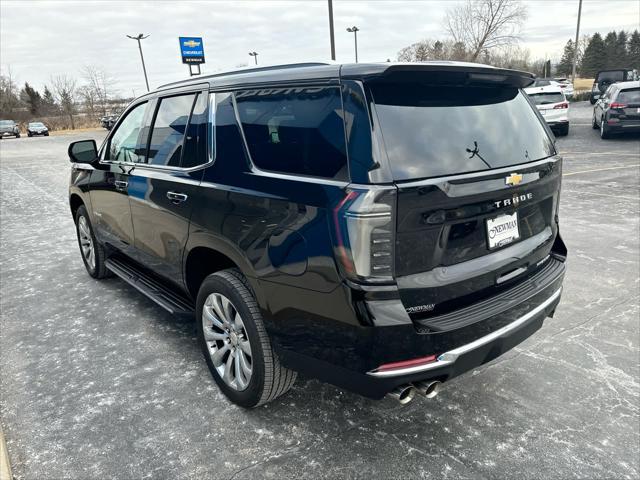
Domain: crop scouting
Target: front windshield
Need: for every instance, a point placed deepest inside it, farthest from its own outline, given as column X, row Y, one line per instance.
column 36, row 124
column 6, row 123
column 431, row 132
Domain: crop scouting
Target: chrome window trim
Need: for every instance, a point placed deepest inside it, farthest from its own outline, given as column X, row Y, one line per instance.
column 450, row 357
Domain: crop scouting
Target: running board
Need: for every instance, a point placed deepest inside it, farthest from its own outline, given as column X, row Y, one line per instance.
column 168, row 299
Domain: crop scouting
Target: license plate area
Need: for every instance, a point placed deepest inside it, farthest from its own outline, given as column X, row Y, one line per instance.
column 502, row 230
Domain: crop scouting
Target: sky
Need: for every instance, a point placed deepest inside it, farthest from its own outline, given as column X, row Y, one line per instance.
column 42, row 39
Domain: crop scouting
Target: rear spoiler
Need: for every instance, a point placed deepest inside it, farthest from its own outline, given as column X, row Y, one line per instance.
column 441, row 73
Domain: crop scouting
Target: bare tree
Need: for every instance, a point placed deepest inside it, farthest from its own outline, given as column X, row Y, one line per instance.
column 65, row 91
column 429, row 49
column 485, row 24
column 9, row 99
column 100, row 85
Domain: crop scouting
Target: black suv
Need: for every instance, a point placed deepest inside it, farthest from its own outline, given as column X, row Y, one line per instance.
column 382, row 227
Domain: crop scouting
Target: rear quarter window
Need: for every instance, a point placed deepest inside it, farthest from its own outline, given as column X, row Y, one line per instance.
column 295, row 130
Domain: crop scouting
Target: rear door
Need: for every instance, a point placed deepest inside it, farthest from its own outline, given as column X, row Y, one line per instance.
column 161, row 190
column 478, row 184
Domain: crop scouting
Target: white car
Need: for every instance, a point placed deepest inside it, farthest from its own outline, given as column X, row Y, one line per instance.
column 553, row 106
column 566, row 85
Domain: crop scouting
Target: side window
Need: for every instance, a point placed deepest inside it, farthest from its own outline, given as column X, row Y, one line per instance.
column 295, row 130
column 123, row 146
column 195, row 145
column 169, row 126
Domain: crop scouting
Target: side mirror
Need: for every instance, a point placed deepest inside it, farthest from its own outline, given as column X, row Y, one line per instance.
column 83, row 151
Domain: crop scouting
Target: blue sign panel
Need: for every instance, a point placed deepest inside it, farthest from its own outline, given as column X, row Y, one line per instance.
column 192, row 49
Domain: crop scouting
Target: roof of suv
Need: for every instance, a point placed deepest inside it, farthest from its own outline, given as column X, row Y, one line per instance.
column 626, row 85
column 327, row 71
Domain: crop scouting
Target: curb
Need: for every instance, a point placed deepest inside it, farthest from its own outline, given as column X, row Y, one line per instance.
column 5, row 465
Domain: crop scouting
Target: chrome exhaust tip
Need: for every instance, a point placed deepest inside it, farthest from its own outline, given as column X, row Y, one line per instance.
column 403, row 394
column 429, row 389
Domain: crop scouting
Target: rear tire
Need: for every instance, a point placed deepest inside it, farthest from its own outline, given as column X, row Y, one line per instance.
column 93, row 253
column 17, row 135
column 563, row 130
column 223, row 332
column 604, row 131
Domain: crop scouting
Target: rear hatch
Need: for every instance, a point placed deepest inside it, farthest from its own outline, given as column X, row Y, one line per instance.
column 478, row 184
column 552, row 105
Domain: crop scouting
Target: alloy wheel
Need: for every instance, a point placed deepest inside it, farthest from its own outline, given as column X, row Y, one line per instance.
column 227, row 341
column 86, row 242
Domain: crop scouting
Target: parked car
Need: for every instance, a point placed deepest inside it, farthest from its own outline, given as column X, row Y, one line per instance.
column 108, row 121
column 553, row 106
column 545, row 82
column 37, row 128
column 604, row 78
column 618, row 110
column 566, row 86
column 265, row 202
column 9, row 128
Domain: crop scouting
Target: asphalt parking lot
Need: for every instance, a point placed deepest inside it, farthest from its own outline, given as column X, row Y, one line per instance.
column 97, row 381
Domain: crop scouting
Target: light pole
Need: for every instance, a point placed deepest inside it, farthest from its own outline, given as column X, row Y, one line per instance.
column 331, row 39
column 255, row 56
column 355, row 31
column 575, row 45
column 144, row 69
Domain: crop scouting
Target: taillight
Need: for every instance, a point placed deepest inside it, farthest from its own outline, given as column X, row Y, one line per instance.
column 562, row 105
column 364, row 222
column 618, row 105
column 594, row 88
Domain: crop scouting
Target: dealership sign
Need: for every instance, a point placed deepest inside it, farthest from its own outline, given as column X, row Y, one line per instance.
column 192, row 50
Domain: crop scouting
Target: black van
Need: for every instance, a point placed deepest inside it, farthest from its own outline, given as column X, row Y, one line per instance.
column 382, row 227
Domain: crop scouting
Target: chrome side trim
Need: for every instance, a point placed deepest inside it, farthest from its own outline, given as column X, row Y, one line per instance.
column 451, row 356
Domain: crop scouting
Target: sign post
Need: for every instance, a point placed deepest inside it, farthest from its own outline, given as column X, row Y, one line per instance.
column 192, row 52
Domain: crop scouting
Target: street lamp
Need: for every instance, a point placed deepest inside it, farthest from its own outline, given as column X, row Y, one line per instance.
column 144, row 69
column 255, row 56
column 355, row 31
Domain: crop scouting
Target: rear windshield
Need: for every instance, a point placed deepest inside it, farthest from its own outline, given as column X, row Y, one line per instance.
column 430, row 132
column 6, row 123
column 629, row 96
column 611, row 76
column 546, row 98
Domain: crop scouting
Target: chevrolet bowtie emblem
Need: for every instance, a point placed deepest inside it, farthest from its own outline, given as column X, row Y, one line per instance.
column 191, row 43
column 513, row 179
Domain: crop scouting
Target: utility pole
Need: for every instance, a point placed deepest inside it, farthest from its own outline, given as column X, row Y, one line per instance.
column 355, row 31
column 575, row 45
column 255, row 56
column 333, row 42
column 144, row 69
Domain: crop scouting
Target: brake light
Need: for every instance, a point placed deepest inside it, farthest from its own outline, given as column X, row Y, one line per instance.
column 364, row 223
column 406, row 363
column 562, row 105
column 618, row 105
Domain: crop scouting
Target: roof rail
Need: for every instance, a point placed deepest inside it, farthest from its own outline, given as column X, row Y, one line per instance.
column 249, row 70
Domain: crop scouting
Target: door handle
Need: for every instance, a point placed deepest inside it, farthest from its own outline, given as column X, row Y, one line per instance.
column 121, row 184
column 176, row 197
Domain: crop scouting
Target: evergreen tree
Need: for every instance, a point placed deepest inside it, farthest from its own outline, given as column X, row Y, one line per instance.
column 633, row 50
column 594, row 58
column 566, row 62
column 610, row 47
column 48, row 102
column 31, row 98
column 621, row 55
